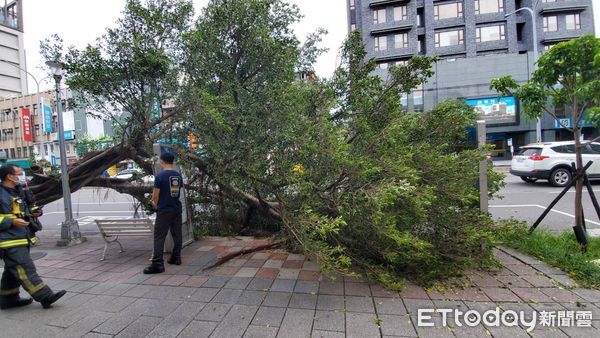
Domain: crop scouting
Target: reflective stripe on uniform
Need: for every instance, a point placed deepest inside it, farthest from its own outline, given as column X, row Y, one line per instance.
column 27, row 283
column 14, row 242
column 8, row 215
column 9, row 292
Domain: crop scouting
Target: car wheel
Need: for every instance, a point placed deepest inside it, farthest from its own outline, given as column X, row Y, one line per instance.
column 560, row 177
column 529, row 179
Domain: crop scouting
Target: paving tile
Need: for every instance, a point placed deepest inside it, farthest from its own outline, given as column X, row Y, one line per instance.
column 288, row 264
column 226, row 271
column 279, row 256
column 278, row 299
column 140, row 328
column 175, row 280
column 117, row 304
column 153, row 307
column 327, row 334
column 395, row 325
column 306, row 275
column 214, row 312
column 260, row 284
column 361, row 325
column 138, row 291
column 306, row 287
column 254, row 263
column 412, row 291
column 236, row 262
column 86, row 324
column 117, row 323
column 260, row 332
column 390, row 306
column 267, row 273
column 198, row 329
column 216, row 282
column 277, row 264
column 303, row 301
column 288, row 274
column 297, row 323
column 238, row 283
column 250, row 297
column 236, row 321
column 283, row 285
column 501, row 295
column 531, row 295
column 379, row 291
column 268, row 316
column 329, row 321
column 326, row 302
column 359, row 304
column 331, row 288
column 119, row 289
column 357, row 289
column 204, row 294
column 261, row 255
column 310, row 266
column 227, row 296
column 172, row 325
column 588, row 294
column 247, row 272
column 561, row 295
column 156, row 279
column 195, row 281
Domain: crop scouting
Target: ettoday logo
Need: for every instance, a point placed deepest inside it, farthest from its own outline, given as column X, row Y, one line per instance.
column 508, row 318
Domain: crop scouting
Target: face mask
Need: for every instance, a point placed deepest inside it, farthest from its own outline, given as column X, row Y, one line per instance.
column 20, row 180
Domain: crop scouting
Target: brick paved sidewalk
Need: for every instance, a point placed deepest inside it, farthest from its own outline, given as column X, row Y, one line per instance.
column 274, row 293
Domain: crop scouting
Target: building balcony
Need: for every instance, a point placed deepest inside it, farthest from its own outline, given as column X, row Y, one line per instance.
column 384, row 3
column 563, row 7
column 392, row 27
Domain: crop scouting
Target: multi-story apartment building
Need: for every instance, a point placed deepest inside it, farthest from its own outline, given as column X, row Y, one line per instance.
column 23, row 129
column 12, row 52
column 476, row 42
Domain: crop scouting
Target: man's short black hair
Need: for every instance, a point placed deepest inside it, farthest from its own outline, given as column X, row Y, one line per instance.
column 8, row 169
column 168, row 158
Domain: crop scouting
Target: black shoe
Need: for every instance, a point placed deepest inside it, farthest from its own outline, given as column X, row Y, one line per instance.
column 154, row 269
column 174, row 261
column 15, row 303
column 48, row 301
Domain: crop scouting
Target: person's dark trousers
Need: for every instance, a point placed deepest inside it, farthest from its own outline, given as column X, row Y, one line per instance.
column 19, row 270
column 167, row 220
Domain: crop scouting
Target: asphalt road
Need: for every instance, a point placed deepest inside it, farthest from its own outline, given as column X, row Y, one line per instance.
column 88, row 204
column 526, row 202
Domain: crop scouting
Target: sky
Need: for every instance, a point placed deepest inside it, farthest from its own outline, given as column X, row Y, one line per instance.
column 80, row 22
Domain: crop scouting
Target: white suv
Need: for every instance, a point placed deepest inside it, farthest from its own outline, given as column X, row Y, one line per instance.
column 552, row 161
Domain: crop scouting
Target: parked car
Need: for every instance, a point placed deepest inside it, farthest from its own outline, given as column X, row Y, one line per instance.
column 552, row 161
column 128, row 174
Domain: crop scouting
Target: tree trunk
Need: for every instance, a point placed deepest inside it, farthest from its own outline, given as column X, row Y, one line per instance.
column 578, row 166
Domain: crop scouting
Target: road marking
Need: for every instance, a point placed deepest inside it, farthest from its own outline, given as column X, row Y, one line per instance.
column 541, row 207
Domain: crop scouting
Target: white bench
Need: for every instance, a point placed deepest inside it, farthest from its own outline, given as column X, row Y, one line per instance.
column 110, row 228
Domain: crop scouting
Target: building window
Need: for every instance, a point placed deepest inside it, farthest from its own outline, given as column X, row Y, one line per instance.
column 401, row 41
column 400, row 13
column 25, row 152
column 379, row 16
column 17, row 132
column 352, row 4
column 450, row 38
column 490, row 33
column 404, row 100
column 573, row 22
column 546, row 47
column 353, row 27
column 448, row 10
column 418, row 98
column 421, row 44
column 550, row 24
column 489, row 6
column 420, row 17
column 19, row 152
column 548, row 0
column 383, row 65
column 380, row 43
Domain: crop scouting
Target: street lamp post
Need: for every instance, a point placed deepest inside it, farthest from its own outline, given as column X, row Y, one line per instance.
column 538, row 125
column 69, row 232
column 39, row 104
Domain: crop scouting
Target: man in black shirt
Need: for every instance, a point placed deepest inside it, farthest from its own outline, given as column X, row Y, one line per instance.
column 165, row 196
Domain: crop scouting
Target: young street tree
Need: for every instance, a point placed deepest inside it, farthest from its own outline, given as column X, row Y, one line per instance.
column 569, row 75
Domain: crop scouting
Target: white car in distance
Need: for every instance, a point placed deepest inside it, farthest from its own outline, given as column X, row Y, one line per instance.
column 552, row 161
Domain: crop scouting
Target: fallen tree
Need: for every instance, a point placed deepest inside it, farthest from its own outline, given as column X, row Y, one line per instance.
column 337, row 168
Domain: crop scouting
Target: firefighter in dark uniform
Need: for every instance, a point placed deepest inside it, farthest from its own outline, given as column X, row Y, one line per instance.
column 16, row 236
